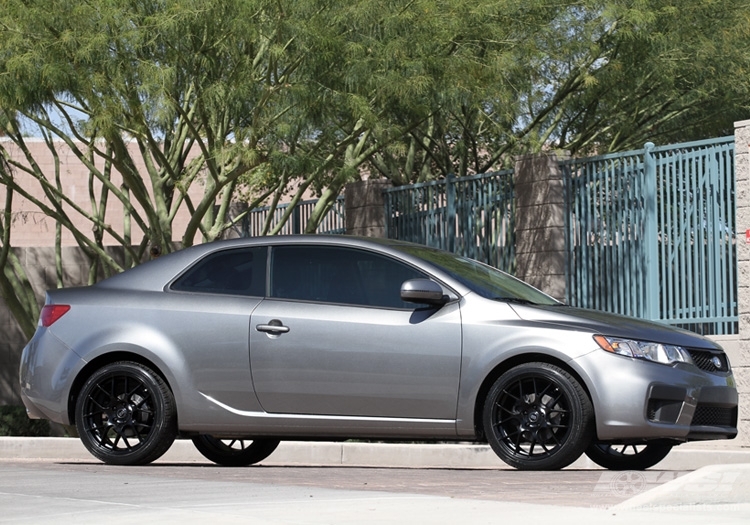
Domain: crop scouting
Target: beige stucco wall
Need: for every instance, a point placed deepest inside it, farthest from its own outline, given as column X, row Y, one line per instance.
column 32, row 228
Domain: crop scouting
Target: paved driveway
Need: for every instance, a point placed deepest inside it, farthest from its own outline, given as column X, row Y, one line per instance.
column 60, row 492
column 292, row 486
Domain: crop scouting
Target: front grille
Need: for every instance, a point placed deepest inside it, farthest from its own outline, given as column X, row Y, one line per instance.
column 708, row 360
column 711, row 416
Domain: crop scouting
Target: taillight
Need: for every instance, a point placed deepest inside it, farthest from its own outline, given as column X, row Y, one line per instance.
column 53, row 312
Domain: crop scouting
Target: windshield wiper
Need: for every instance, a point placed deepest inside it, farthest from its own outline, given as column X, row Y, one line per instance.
column 514, row 300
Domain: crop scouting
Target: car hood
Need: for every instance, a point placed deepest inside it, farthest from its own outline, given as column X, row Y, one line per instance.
column 611, row 325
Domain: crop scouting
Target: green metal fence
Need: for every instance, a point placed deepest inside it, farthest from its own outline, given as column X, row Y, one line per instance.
column 333, row 223
column 473, row 216
column 651, row 234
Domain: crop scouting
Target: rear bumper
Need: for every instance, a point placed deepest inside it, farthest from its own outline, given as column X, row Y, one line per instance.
column 46, row 377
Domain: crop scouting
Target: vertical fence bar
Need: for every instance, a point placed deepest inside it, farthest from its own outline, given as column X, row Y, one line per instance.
column 450, row 210
column 650, row 236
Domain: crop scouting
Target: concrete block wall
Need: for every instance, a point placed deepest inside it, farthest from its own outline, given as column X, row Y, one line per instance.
column 540, row 222
column 741, row 361
column 365, row 208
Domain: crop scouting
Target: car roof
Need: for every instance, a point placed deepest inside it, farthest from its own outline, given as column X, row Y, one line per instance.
column 156, row 274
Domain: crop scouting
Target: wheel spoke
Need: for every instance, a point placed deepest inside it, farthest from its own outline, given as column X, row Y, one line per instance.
column 130, row 392
column 101, row 406
column 509, row 394
column 532, row 444
column 554, row 400
column 544, row 392
column 518, row 442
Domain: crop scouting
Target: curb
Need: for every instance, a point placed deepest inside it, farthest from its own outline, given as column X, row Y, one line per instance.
column 394, row 455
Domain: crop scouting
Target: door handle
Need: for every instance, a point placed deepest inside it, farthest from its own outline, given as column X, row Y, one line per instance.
column 273, row 327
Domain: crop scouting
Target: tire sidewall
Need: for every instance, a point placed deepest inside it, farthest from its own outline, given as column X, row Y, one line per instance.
column 214, row 450
column 580, row 430
column 164, row 427
column 653, row 453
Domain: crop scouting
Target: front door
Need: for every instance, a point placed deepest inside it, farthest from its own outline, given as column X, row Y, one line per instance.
column 335, row 338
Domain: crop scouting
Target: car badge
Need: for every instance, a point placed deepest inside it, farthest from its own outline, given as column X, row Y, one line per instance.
column 716, row 362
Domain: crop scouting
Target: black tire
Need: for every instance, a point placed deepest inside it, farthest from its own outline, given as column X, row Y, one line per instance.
column 638, row 456
column 125, row 414
column 235, row 452
column 538, row 417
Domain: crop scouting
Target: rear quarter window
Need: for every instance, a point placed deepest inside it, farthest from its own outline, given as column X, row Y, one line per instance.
column 239, row 271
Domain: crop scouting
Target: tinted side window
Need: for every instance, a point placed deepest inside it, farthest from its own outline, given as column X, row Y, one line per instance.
column 240, row 271
column 339, row 275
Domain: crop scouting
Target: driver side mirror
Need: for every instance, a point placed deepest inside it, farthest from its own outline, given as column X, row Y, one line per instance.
column 423, row 291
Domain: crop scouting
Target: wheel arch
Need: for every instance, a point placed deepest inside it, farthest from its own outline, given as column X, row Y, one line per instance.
column 104, row 360
column 504, row 366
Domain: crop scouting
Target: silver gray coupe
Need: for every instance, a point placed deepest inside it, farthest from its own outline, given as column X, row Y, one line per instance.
column 240, row 344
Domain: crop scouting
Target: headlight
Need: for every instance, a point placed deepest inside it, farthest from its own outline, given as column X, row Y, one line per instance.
column 657, row 352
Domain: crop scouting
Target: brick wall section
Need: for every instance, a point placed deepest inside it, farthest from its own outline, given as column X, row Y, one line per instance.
column 741, row 363
column 540, row 222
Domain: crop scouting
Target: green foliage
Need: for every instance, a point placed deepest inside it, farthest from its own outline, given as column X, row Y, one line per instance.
column 15, row 422
column 667, row 74
column 198, row 103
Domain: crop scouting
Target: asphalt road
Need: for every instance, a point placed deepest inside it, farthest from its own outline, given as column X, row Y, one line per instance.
column 579, row 488
column 65, row 491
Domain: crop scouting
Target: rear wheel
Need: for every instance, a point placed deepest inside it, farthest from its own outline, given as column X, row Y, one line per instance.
column 125, row 414
column 639, row 456
column 538, row 417
column 235, row 452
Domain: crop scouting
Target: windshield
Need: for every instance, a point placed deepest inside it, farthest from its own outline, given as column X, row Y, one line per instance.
column 482, row 279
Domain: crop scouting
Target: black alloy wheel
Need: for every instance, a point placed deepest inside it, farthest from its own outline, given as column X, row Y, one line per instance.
column 538, row 417
column 235, row 452
column 635, row 456
column 125, row 414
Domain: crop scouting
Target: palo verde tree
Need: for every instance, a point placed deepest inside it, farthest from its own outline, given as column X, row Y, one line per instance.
column 588, row 77
column 168, row 97
column 193, row 105
column 174, row 106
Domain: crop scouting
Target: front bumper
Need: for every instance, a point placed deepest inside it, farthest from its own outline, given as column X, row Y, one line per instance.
column 640, row 400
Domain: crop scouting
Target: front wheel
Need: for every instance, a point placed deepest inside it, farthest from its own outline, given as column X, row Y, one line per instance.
column 235, row 452
column 125, row 414
column 538, row 417
column 640, row 456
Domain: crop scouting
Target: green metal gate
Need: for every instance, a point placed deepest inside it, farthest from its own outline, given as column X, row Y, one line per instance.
column 473, row 216
column 651, row 234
